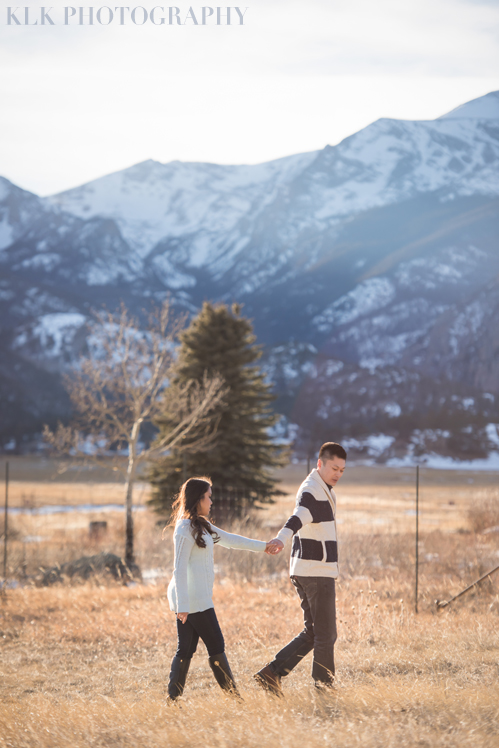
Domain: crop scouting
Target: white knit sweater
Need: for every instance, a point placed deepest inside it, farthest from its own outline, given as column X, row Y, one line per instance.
column 191, row 587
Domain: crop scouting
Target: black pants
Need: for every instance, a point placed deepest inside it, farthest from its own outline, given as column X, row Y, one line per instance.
column 202, row 625
column 318, row 601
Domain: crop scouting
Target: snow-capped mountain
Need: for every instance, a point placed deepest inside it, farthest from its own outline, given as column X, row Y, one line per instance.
column 242, row 224
column 379, row 254
column 486, row 107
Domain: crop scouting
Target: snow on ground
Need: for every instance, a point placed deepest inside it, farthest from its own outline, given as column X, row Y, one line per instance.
column 492, row 431
column 376, row 443
column 447, row 463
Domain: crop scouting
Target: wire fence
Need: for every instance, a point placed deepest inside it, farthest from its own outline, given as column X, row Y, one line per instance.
column 55, row 519
column 229, row 503
column 50, row 519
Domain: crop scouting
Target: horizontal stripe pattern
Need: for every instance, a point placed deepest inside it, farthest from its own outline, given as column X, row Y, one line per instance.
column 307, row 549
column 294, row 524
column 321, row 511
column 313, row 550
column 331, row 551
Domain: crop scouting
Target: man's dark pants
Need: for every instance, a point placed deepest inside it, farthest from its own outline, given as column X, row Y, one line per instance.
column 318, row 601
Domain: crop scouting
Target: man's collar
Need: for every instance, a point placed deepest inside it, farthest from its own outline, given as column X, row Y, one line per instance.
column 315, row 474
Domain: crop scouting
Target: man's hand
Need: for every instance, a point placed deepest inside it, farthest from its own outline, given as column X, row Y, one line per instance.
column 274, row 546
column 182, row 617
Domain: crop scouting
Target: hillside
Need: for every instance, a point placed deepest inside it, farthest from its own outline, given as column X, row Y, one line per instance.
column 370, row 269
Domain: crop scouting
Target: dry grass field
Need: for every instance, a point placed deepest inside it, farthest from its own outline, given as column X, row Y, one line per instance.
column 87, row 664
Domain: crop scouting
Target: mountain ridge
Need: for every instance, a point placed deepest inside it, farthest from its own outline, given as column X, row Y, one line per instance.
column 364, row 253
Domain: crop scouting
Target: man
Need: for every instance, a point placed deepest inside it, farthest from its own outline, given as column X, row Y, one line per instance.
column 313, row 570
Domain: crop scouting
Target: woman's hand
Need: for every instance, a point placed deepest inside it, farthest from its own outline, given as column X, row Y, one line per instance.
column 182, row 617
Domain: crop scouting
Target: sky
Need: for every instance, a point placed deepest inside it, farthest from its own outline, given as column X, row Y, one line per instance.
column 81, row 101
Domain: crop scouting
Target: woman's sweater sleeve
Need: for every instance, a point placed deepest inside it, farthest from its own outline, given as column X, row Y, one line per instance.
column 239, row 542
column 184, row 543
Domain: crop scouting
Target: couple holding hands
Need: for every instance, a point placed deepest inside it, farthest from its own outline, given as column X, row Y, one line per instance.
column 313, row 570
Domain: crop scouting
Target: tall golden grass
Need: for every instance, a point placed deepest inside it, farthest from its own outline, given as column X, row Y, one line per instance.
column 87, row 664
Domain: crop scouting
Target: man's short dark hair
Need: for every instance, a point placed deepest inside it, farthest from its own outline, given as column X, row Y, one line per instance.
column 330, row 450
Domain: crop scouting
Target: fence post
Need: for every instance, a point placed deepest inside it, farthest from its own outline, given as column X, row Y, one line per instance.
column 417, row 539
column 5, row 524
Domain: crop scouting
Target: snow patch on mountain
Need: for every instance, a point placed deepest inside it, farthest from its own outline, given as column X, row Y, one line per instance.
column 373, row 354
column 6, row 234
column 54, row 332
column 467, row 323
column 290, row 363
column 393, row 410
column 170, row 276
column 365, row 298
column 101, row 273
column 451, row 266
column 47, row 261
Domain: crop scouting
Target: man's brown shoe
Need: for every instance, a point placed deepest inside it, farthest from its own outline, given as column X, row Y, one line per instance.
column 268, row 680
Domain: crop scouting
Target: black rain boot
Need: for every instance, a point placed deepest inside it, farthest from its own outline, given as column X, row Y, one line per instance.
column 178, row 674
column 223, row 674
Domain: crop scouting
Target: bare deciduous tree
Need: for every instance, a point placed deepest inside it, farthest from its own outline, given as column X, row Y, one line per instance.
column 121, row 385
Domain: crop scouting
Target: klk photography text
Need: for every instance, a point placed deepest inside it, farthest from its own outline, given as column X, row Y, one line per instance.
column 125, row 15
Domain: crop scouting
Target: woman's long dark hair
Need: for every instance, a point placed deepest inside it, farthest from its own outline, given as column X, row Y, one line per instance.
column 185, row 506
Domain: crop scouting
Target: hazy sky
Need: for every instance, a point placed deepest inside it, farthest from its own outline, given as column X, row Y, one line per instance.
column 78, row 102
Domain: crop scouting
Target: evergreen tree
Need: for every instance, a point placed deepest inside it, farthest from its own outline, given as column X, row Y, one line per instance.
column 219, row 340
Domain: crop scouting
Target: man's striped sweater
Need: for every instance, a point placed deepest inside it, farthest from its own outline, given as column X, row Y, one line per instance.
column 315, row 549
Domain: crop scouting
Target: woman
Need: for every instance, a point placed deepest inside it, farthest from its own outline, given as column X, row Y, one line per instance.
column 190, row 590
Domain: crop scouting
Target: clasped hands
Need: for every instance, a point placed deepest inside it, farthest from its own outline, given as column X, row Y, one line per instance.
column 274, row 546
